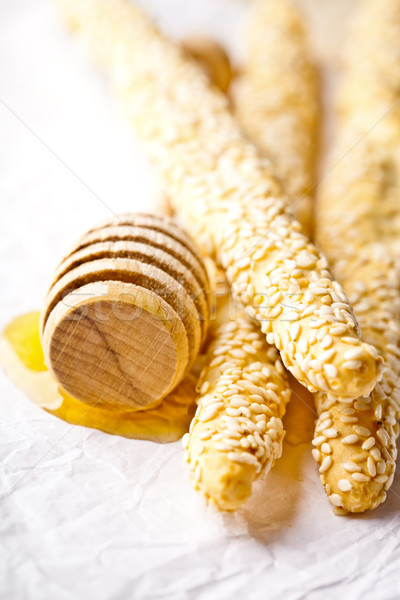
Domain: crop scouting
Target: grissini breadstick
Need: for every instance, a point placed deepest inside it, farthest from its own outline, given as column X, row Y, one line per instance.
column 276, row 98
column 355, row 442
column 358, row 227
column 236, row 434
column 229, row 199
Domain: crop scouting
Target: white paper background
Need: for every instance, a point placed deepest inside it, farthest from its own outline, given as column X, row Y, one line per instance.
column 86, row 515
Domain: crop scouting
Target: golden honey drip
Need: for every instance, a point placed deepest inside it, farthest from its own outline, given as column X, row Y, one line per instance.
column 299, row 419
column 22, row 359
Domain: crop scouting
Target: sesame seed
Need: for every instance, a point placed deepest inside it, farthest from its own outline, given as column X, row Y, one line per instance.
column 205, row 387
column 243, row 457
column 237, row 353
column 371, row 468
column 318, row 440
column 362, row 431
column 327, row 342
column 325, row 415
column 323, row 425
column 243, row 263
column 381, row 478
column 383, row 437
column 335, row 499
column 360, row 477
column 339, row 330
column 260, row 418
column 376, row 454
column 340, row 512
column 330, row 432
column 185, row 441
column 305, row 259
column 327, row 355
column 245, row 411
column 253, row 377
column 252, row 441
column 351, row 467
column 257, row 398
column 316, row 454
column 345, row 419
column 221, row 350
column 381, row 467
column 316, row 323
column 330, row 370
column 326, row 464
column 389, row 481
column 354, row 353
column 294, row 329
column 367, row 445
column 233, row 412
column 238, row 402
column 352, row 365
column 345, row 485
column 251, row 388
column 232, row 435
column 326, row 448
column 258, row 438
column 359, row 405
column 348, row 339
column 350, row 439
column 261, row 426
column 258, row 408
column 315, row 364
column 207, row 415
column 218, row 360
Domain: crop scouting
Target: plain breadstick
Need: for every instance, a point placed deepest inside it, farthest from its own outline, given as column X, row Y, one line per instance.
column 276, row 98
column 236, row 434
column 229, row 199
column 358, row 227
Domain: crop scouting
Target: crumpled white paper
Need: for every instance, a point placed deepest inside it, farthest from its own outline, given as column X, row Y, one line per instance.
column 86, row 515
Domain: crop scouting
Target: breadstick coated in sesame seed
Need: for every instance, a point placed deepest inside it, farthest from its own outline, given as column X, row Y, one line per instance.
column 276, row 98
column 228, row 198
column 236, row 434
column 358, row 227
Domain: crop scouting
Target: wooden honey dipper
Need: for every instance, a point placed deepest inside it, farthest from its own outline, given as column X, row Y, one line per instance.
column 126, row 313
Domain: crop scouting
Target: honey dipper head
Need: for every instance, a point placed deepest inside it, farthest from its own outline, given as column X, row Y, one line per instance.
column 126, row 313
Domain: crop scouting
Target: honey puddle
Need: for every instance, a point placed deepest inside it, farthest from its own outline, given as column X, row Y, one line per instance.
column 299, row 420
column 22, row 359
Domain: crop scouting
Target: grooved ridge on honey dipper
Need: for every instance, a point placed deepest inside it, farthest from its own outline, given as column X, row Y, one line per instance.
column 229, row 199
column 276, row 99
column 358, row 226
